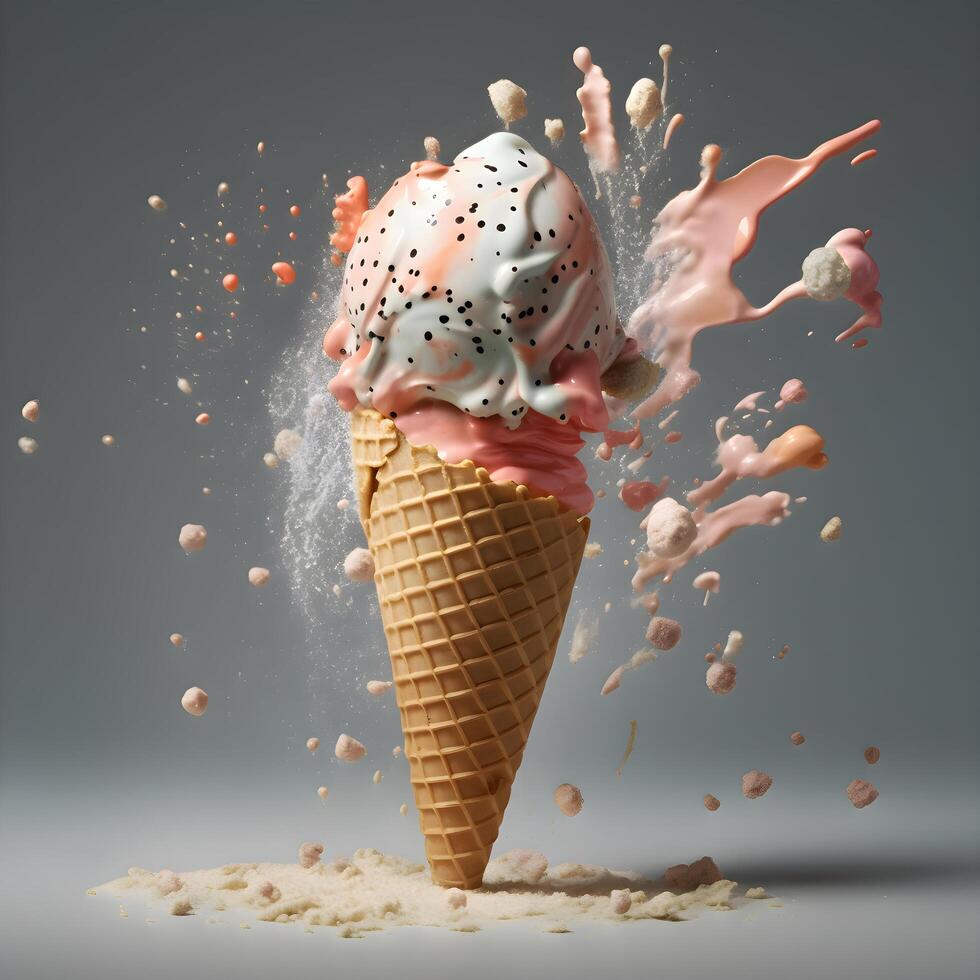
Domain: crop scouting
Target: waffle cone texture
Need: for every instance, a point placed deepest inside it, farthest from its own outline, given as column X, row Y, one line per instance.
column 474, row 578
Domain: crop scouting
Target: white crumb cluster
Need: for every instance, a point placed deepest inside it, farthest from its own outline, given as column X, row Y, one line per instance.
column 592, row 550
column 826, row 275
column 287, row 443
column 374, row 891
column 509, row 100
column 670, row 528
column 432, row 148
column 184, row 386
column 27, row 445
column 377, row 688
column 554, row 129
column 643, row 104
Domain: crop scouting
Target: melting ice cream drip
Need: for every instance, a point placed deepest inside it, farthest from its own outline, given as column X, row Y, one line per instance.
column 700, row 235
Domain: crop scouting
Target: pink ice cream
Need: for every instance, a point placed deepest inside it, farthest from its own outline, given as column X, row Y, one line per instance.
column 477, row 310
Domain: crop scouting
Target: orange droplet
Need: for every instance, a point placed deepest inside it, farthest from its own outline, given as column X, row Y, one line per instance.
column 231, row 238
column 292, row 235
column 335, row 259
column 230, row 282
column 285, row 273
column 294, row 211
column 203, row 419
column 199, row 335
column 673, row 437
column 198, row 309
column 262, row 209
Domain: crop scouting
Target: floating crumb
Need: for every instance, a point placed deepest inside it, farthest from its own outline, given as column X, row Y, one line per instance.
column 711, row 802
column 631, row 741
column 733, row 646
column 322, row 792
column 223, row 188
column 192, row 537
column 509, row 100
column 396, row 751
column 568, row 799
column 377, row 777
column 643, row 104
column 755, row 893
column 259, row 576
column 348, row 749
column 260, row 148
column 359, row 565
column 832, row 529
column 377, row 688
column 312, row 744
column 403, row 809
column 176, row 639
column 203, row 419
column 613, row 680
column 755, row 784
column 156, row 202
column 310, row 854
column 584, row 636
column 108, row 440
column 287, row 443
column 343, row 503
column 782, row 651
column 861, row 793
column 554, row 129
column 432, row 148
column 194, row 701
column 271, row 460
column 184, row 386
column 635, row 201
column 663, row 633
column 181, row 906
column 31, row 410
column 592, row 550
column 797, row 738
column 720, row 678
column 872, row 754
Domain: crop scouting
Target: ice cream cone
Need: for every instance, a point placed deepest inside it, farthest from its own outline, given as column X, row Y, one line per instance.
column 474, row 578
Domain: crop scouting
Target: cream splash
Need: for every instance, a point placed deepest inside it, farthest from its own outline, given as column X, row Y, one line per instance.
column 698, row 238
column 599, row 135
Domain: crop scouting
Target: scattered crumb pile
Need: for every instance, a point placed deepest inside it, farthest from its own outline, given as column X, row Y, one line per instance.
column 374, row 891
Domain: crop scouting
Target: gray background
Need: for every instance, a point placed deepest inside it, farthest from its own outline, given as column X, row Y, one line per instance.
column 104, row 104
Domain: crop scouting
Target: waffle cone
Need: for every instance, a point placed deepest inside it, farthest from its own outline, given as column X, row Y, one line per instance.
column 474, row 578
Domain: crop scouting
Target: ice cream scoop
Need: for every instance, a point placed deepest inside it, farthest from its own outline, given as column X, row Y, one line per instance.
column 482, row 285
